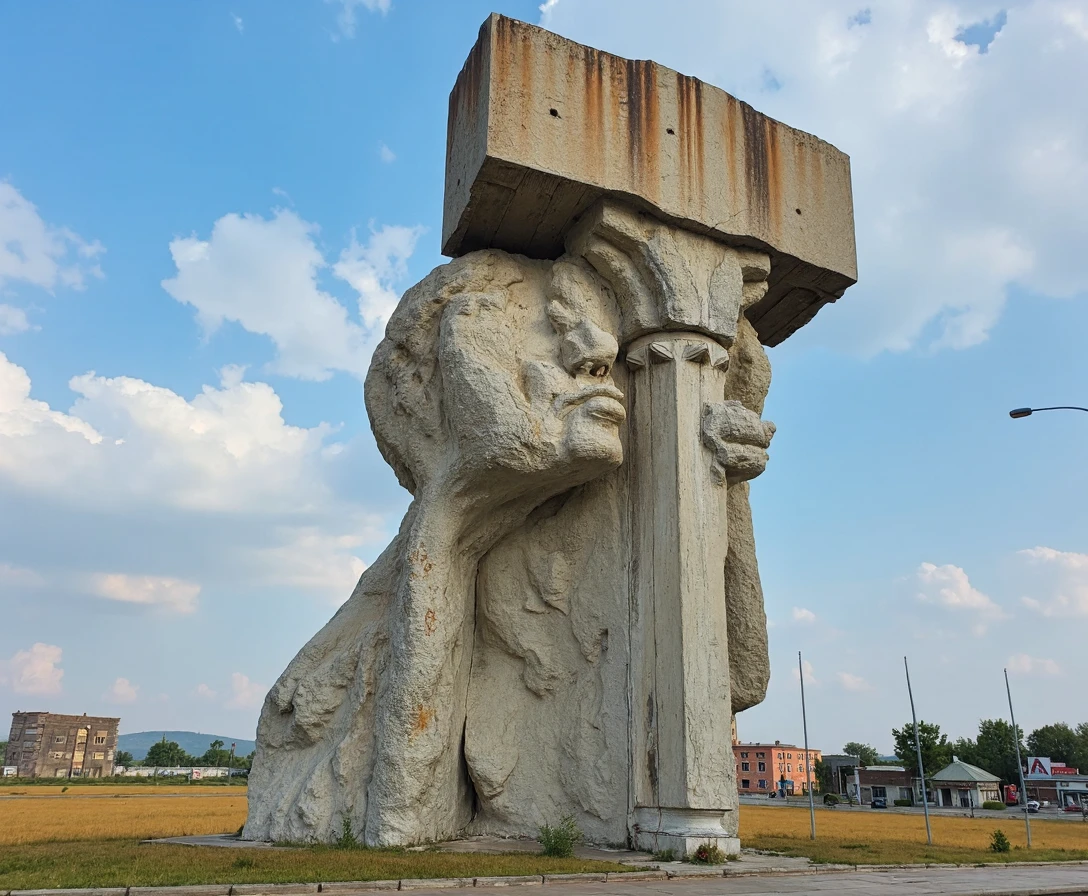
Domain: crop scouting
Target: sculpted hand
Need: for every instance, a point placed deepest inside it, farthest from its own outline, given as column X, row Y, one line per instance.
column 738, row 438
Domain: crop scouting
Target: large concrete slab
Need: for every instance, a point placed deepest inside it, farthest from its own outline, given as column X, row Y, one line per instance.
column 541, row 127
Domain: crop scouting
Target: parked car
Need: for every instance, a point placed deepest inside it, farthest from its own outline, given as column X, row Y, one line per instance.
column 1032, row 807
column 879, row 802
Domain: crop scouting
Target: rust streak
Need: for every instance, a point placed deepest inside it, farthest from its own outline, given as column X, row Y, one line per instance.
column 423, row 719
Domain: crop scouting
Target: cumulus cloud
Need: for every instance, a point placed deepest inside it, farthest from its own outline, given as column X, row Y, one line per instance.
column 41, row 254
column 122, row 691
column 386, row 154
column 207, row 693
column 1030, row 665
column 372, row 268
column 262, row 273
column 245, row 694
column 853, row 682
column 346, row 20
column 12, row 320
column 174, row 595
column 948, row 587
column 34, row 671
column 800, row 614
column 970, row 175
column 238, row 23
column 1065, row 574
column 255, row 500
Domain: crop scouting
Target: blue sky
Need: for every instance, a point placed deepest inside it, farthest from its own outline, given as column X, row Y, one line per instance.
column 207, row 208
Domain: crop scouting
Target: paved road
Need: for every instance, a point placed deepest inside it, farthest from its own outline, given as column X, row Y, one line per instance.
column 991, row 881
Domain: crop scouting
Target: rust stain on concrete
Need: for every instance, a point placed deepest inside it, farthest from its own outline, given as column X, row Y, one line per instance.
column 423, row 718
column 430, row 621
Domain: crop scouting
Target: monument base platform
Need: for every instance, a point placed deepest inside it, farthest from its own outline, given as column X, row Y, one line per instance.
column 684, row 830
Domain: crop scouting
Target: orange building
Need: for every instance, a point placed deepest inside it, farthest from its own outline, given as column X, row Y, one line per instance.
column 766, row 768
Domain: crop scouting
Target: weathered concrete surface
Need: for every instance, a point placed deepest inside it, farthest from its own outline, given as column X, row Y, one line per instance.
column 541, row 127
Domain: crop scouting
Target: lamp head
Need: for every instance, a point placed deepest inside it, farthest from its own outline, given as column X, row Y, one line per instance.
column 1017, row 413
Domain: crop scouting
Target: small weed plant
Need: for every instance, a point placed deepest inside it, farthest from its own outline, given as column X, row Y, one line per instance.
column 347, row 838
column 665, row 855
column 999, row 842
column 708, row 854
column 559, row 841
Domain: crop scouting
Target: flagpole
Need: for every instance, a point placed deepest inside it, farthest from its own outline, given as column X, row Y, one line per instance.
column 918, row 749
column 808, row 758
column 1019, row 765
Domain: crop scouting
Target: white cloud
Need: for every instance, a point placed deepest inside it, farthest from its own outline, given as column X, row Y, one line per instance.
column 34, row 671
column 853, row 682
column 948, row 586
column 800, row 614
column 1029, row 665
column 371, row 269
column 257, row 502
column 12, row 320
column 810, row 673
column 263, row 274
column 207, row 693
column 346, row 20
column 1065, row 575
column 245, row 694
column 386, row 154
column 18, row 577
column 40, row 254
column 238, row 23
column 174, row 595
column 122, row 691
column 970, row 175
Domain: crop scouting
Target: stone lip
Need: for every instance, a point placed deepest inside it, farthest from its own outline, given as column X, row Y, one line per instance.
column 541, row 127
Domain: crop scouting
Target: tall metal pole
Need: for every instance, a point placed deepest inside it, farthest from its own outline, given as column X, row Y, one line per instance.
column 918, row 750
column 1019, row 765
column 808, row 762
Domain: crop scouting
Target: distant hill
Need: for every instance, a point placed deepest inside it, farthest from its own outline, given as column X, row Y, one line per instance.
column 192, row 742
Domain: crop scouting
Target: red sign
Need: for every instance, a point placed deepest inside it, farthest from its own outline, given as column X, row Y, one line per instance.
column 1062, row 770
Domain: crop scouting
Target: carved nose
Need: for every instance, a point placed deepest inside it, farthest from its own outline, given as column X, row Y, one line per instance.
column 589, row 350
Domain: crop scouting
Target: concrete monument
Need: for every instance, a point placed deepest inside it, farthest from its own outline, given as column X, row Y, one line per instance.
column 571, row 611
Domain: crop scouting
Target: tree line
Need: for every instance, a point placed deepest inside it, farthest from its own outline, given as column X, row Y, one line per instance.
column 169, row 754
column 993, row 749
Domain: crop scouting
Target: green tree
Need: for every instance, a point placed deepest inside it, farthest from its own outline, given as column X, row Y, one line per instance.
column 822, row 774
column 1081, row 759
column 1058, row 741
column 995, row 750
column 167, row 754
column 936, row 750
column 215, row 754
column 124, row 758
column 865, row 754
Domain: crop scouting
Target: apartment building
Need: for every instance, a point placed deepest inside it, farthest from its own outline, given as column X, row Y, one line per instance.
column 48, row 745
column 767, row 768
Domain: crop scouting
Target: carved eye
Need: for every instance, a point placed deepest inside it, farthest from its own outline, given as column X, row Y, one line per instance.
column 601, row 372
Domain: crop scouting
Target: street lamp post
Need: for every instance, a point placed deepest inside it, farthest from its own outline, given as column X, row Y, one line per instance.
column 1017, row 413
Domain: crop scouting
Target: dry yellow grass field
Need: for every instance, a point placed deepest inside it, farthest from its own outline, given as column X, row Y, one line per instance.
column 104, row 813
column 863, row 836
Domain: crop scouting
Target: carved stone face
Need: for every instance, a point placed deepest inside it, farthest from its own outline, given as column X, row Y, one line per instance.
column 528, row 388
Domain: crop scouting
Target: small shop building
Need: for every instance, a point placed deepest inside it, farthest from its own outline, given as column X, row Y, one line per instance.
column 963, row 786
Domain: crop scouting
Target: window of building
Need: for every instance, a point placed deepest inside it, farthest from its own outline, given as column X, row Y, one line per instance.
column 99, row 756
column 779, row 755
column 743, row 755
column 762, row 784
column 744, row 766
column 28, row 745
column 761, row 755
column 58, row 754
column 880, row 791
column 789, row 755
column 59, row 739
column 99, row 739
column 745, row 784
column 789, row 767
column 762, row 767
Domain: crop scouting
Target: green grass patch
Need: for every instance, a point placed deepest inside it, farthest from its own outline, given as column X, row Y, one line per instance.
column 119, row 863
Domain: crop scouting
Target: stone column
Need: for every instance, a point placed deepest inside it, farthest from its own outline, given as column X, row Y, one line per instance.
column 683, row 772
